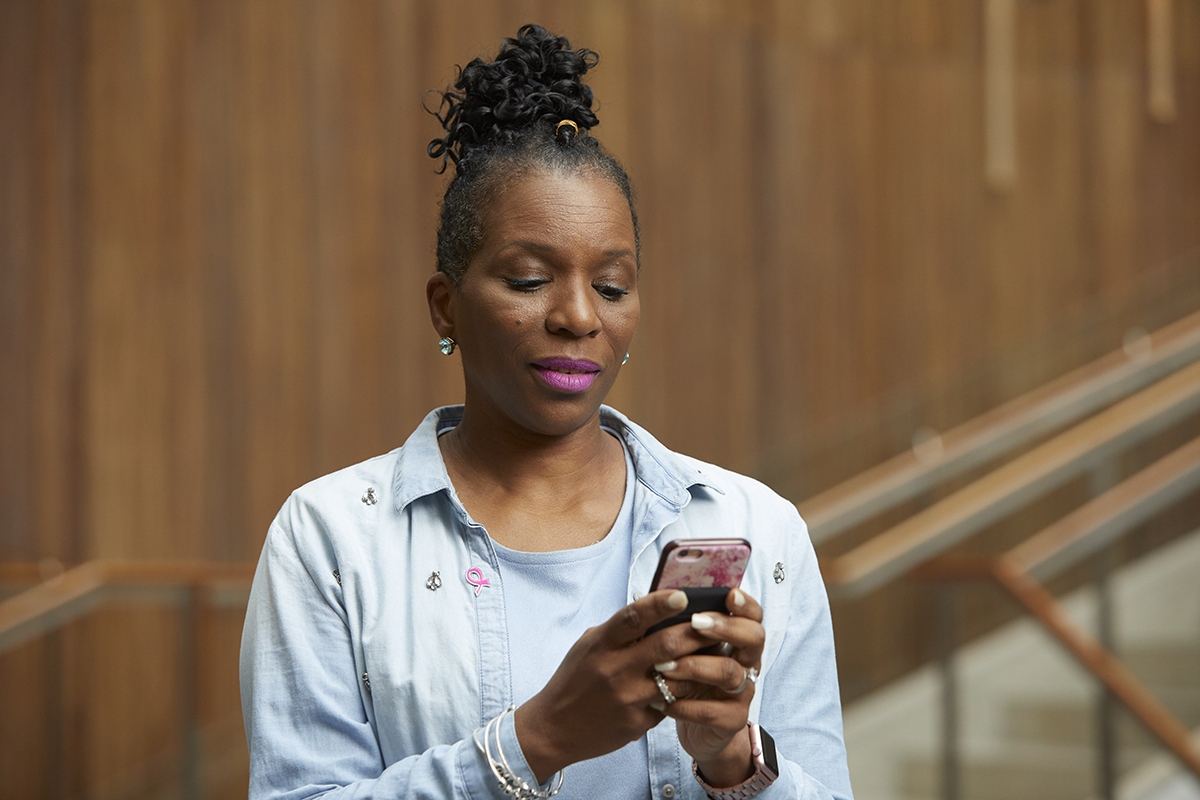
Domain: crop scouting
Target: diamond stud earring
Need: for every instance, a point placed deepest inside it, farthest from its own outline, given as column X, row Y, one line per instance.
column 623, row 360
column 446, row 345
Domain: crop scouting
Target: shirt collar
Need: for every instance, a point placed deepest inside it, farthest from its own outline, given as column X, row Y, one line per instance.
column 420, row 470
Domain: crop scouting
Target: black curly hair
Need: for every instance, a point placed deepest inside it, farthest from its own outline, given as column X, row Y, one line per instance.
column 502, row 121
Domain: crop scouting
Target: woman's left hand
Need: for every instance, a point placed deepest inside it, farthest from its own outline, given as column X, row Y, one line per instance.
column 710, row 712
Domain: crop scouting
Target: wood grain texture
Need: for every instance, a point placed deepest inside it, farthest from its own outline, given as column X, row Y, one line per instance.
column 217, row 219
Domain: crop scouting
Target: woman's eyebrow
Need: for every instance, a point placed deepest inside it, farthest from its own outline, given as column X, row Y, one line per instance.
column 539, row 247
column 524, row 244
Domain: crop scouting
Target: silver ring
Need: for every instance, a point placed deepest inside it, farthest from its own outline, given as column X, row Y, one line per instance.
column 662, row 687
column 751, row 677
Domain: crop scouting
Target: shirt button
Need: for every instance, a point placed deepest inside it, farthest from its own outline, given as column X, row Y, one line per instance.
column 668, row 790
column 638, row 596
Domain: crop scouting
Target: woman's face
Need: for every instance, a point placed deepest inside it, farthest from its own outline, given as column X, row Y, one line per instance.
column 548, row 305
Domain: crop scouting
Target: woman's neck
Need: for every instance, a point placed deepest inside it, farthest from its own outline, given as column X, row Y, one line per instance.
column 536, row 492
column 507, row 455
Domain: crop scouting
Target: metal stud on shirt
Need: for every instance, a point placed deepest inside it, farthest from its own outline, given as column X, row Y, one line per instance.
column 779, row 576
column 369, row 497
column 435, row 582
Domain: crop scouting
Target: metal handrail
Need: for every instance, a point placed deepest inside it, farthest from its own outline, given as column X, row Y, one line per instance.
column 1004, row 429
column 939, row 527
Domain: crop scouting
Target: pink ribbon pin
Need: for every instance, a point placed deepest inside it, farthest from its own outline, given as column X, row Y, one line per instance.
column 476, row 579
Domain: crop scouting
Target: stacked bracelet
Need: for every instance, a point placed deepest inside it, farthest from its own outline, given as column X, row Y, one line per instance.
column 510, row 783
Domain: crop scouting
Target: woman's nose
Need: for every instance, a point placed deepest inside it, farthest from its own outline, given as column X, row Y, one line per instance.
column 573, row 311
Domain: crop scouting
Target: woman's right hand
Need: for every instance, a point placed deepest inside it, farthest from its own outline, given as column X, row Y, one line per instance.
column 598, row 700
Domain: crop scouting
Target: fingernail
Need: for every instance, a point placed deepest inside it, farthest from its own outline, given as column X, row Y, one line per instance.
column 666, row 666
column 659, row 706
column 677, row 600
column 702, row 622
column 739, row 599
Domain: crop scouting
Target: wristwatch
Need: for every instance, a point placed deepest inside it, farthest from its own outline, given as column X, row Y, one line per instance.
column 766, row 769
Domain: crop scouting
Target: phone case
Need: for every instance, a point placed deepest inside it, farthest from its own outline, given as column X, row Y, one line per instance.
column 702, row 562
column 705, row 569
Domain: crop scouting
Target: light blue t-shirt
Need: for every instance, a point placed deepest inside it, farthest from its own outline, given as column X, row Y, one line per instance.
column 572, row 590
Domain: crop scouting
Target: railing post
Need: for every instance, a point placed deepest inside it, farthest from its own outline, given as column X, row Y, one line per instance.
column 189, row 699
column 1103, row 477
column 947, row 643
column 1106, row 730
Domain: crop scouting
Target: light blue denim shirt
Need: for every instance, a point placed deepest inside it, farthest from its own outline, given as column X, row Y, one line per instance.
column 359, row 680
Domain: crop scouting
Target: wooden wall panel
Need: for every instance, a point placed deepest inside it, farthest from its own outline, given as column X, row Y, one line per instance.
column 222, row 220
column 225, row 759
column 17, row 204
column 141, row 385
column 127, row 667
column 217, row 220
column 25, row 697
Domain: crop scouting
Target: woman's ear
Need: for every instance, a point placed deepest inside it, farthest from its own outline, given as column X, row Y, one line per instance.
column 440, row 291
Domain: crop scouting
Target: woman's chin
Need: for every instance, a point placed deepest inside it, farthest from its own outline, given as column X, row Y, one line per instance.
column 563, row 419
column 544, row 411
column 559, row 416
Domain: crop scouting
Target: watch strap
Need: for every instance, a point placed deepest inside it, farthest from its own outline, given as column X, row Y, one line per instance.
column 752, row 786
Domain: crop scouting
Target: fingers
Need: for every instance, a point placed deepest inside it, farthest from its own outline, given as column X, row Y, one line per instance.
column 700, row 702
column 723, row 718
column 746, row 635
column 694, row 676
column 741, row 630
column 706, row 692
column 669, row 644
column 741, row 604
column 630, row 623
column 720, row 673
column 713, row 692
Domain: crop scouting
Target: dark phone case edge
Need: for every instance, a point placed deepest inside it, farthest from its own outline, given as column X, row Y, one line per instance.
column 700, row 598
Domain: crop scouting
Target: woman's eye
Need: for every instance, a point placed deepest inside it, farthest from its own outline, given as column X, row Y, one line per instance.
column 526, row 284
column 610, row 292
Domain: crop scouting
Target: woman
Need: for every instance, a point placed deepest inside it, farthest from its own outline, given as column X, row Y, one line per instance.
column 402, row 607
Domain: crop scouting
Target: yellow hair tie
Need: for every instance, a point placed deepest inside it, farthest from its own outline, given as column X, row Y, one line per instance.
column 568, row 122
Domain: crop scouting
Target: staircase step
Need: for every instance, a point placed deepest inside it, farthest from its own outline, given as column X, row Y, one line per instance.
column 1027, row 710
column 1164, row 664
column 1026, row 770
column 1070, row 722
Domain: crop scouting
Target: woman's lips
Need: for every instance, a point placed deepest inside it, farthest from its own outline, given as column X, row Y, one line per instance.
column 567, row 374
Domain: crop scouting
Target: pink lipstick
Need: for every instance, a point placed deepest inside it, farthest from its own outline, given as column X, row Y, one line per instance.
column 567, row 374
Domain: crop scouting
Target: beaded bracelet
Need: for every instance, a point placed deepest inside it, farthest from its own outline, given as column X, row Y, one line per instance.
column 510, row 783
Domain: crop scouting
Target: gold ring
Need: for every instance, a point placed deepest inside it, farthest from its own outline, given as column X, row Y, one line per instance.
column 568, row 122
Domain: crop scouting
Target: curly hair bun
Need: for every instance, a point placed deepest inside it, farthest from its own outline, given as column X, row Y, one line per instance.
column 536, row 79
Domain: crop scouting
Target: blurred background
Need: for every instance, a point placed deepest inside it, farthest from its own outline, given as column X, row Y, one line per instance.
column 945, row 236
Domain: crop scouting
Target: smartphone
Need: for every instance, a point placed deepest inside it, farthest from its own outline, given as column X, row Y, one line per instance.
column 705, row 569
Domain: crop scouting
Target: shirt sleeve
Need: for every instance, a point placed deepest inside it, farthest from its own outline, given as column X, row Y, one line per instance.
column 303, row 699
column 801, row 707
